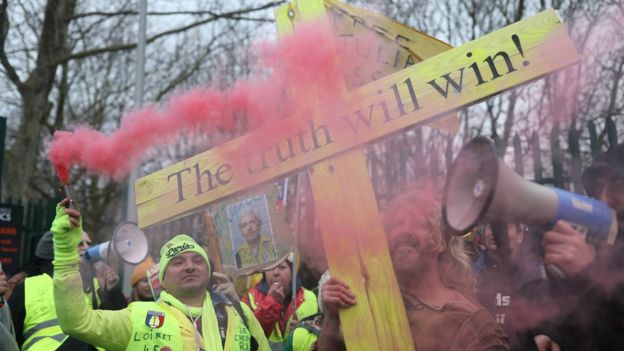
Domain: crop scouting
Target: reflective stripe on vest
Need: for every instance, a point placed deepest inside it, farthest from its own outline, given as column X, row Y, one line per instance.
column 41, row 328
column 155, row 327
column 38, row 327
column 58, row 339
column 307, row 308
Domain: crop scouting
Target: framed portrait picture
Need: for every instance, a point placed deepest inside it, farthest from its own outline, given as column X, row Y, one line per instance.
column 252, row 231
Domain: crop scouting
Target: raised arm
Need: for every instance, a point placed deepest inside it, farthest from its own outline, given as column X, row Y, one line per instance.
column 107, row 329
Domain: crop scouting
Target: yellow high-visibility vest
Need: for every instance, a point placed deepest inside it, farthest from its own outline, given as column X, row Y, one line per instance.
column 155, row 327
column 41, row 327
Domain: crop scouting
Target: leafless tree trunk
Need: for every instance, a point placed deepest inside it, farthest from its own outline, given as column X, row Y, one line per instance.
column 35, row 90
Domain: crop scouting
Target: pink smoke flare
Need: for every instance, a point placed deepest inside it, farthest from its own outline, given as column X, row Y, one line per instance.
column 292, row 73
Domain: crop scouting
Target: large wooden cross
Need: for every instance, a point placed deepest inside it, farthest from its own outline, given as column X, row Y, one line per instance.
column 353, row 236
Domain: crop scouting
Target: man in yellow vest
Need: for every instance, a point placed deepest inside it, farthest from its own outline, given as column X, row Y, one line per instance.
column 186, row 317
column 32, row 303
column 271, row 301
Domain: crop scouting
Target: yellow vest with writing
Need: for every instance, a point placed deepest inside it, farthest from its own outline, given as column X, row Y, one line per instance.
column 155, row 327
column 41, row 330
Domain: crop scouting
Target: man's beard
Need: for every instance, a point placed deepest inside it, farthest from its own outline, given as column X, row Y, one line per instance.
column 411, row 257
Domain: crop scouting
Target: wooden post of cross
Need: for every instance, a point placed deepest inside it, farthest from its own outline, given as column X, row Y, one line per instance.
column 343, row 195
column 346, row 209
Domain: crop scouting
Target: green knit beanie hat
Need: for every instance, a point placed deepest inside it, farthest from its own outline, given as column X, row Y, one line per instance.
column 181, row 243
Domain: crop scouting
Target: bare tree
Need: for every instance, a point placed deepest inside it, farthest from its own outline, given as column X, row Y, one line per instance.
column 71, row 63
column 68, row 62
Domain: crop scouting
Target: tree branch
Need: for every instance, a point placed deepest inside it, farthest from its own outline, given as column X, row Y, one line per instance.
column 252, row 19
column 519, row 11
column 149, row 13
column 184, row 75
column 123, row 47
column 4, row 31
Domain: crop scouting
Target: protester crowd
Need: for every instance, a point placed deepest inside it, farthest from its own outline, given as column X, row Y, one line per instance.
column 492, row 289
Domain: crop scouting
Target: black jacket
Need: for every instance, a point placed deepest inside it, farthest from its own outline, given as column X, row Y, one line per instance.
column 592, row 306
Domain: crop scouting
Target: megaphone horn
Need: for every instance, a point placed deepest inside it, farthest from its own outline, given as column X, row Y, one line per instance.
column 481, row 189
column 128, row 242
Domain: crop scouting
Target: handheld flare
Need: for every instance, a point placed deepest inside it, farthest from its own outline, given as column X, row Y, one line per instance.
column 68, row 192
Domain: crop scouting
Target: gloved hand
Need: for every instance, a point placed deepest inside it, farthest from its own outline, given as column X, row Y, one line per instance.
column 67, row 232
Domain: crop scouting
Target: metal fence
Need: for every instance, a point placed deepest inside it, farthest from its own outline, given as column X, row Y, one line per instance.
column 407, row 157
column 565, row 163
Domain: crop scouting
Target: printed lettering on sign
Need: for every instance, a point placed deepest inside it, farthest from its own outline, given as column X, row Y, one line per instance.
column 5, row 214
column 500, row 318
column 154, row 319
column 503, row 300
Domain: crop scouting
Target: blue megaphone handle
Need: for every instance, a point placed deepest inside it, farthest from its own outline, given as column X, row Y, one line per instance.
column 589, row 215
column 93, row 254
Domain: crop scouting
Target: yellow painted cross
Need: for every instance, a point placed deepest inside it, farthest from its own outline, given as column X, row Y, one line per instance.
column 345, row 206
column 344, row 198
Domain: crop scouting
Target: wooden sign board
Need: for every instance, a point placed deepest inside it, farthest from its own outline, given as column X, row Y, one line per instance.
column 11, row 237
column 397, row 46
column 474, row 71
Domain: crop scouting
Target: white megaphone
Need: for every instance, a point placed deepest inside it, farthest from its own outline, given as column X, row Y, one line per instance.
column 128, row 242
column 481, row 189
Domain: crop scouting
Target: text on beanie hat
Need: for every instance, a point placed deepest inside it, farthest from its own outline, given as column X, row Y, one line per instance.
column 180, row 244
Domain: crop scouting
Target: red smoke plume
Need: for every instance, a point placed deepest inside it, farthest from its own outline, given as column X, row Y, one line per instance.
column 289, row 75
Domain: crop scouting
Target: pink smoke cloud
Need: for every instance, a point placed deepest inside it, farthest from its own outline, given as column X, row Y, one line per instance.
column 290, row 75
column 597, row 37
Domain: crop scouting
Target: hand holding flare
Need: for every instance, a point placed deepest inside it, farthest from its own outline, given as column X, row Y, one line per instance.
column 67, row 231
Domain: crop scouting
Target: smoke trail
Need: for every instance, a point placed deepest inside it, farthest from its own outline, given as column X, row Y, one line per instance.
column 305, row 62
